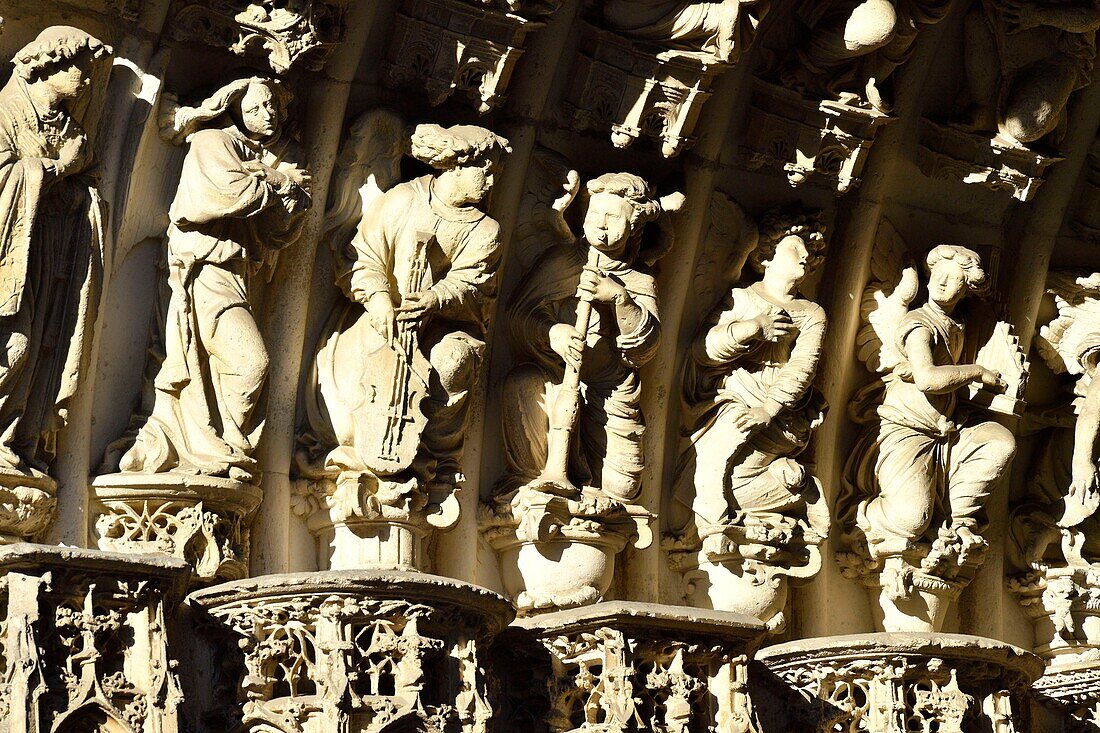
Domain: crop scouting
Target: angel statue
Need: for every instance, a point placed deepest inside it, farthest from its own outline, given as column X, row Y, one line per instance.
column 722, row 29
column 855, row 46
column 585, row 319
column 50, row 260
column 923, row 468
column 1044, row 51
column 240, row 200
column 1056, row 530
column 750, row 409
column 386, row 408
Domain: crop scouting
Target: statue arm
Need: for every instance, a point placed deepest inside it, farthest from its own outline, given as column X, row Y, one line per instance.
column 640, row 344
column 216, row 184
column 471, row 279
column 798, row 373
column 933, row 378
column 723, row 340
column 1074, row 17
column 371, row 250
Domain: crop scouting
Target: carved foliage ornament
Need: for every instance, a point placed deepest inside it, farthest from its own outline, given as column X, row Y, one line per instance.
column 289, row 32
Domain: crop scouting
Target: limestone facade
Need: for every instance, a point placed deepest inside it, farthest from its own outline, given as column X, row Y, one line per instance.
column 549, row 365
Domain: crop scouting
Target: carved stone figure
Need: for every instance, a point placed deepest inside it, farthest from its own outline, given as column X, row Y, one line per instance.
column 856, row 45
column 1056, row 531
column 51, row 244
column 1046, row 50
column 746, row 512
column 923, row 469
column 419, row 276
column 720, row 28
column 240, row 200
column 585, row 314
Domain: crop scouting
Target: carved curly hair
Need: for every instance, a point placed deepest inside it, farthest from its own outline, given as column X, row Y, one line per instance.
column 779, row 223
column 55, row 45
column 444, row 148
column 632, row 188
column 967, row 259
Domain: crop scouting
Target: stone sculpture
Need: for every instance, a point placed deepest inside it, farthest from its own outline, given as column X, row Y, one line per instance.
column 922, row 471
column 51, row 248
column 383, row 437
column 585, row 314
column 1046, row 50
column 721, row 28
column 854, row 47
column 1055, row 531
column 747, row 514
column 240, row 200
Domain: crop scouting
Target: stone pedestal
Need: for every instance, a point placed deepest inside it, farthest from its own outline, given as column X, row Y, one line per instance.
column 627, row 666
column 335, row 652
column 898, row 682
column 557, row 552
column 84, row 641
column 1073, row 690
column 203, row 520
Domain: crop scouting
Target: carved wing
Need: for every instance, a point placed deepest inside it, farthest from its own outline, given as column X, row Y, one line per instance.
column 894, row 284
column 368, row 165
column 730, row 237
column 552, row 185
column 1071, row 342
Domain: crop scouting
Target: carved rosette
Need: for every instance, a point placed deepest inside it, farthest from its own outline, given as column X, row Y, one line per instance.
column 362, row 520
column 628, row 667
column 289, row 33
column 557, row 552
column 355, row 651
column 898, row 682
column 202, row 520
column 805, row 138
column 28, row 505
column 951, row 154
column 459, row 46
column 636, row 90
column 84, row 640
column 748, row 565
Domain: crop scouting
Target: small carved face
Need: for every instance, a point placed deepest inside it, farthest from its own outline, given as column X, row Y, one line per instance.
column 608, row 223
column 790, row 259
column 259, row 112
column 947, row 283
column 475, row 181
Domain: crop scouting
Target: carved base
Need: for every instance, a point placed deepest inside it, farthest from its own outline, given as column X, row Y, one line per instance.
column 952, row 154
column 203, row 520
column 1064, row 606
column 28, row 505
column 362, row 521
column 884, row 683
column 351, row 651
column 628, row 667
column 85, row 643
column 557, row 552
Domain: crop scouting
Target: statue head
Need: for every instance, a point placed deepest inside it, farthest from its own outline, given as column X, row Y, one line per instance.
column 257, row 106
column 619, row 206
column 61, row 58
column 953, row 272
column 791, row 244
column 467, row 157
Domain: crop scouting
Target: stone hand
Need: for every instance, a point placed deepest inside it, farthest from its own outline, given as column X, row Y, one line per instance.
column 566, row 342
column 71, row 155
column 380, row 313
column 600, row 288
column 300, row 177
column 993, row 380
column 752, row 419
column 773, row 325
column 1083, row 489
column 417, row 305
column 1021, row 14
